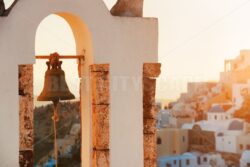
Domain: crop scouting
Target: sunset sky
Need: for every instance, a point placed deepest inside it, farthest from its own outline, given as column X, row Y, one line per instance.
column 195, row 36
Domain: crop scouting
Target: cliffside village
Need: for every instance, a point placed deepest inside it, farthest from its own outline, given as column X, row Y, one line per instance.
column 69, row 140
column 209, row 126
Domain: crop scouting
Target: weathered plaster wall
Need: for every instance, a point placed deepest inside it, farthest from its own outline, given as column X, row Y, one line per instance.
column 124, row 43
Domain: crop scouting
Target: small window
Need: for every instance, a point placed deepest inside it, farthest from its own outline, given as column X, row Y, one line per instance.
column 159, row 140
column 205, row 159
column 175, row 162
column 187, row 162
column 215, row 117
column 199, row 160
column 168, row 165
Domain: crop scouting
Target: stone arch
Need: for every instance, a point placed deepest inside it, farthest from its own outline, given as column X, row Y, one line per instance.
column 81, row 34
column 76, row 12
column 94, row 96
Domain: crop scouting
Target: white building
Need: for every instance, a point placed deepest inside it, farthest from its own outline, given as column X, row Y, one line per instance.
column 237, row 90
column 228, row 141
column 218, row 126
column 245, row 159
column 243, row 143
column 212, row 159
column 185, row 160
column 178, row 122
column 230, row 135
column 234, row 140
column 172, row 141
column 192, row 159
column 163, row 118
column 219, row 112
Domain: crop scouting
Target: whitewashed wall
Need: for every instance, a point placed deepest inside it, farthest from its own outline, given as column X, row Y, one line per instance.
column 125, row 43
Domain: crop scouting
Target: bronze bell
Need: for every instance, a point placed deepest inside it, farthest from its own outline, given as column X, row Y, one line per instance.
column 55, row 86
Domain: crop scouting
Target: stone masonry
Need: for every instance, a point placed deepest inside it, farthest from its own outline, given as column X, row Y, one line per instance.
column 150, row 72
column 100, row 114
column 26, row 115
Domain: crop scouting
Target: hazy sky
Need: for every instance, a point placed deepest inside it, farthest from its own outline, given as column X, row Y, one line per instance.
column 195, row 36
column 50, row 39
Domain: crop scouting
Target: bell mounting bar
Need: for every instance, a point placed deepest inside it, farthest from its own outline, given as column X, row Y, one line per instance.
column 61, row 57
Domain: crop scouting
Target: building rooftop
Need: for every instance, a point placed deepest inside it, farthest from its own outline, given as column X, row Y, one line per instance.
column 221, row 126
column 219, row 108
column 177, row 157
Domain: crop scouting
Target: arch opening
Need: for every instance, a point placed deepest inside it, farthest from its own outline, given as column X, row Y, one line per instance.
column 66, row 34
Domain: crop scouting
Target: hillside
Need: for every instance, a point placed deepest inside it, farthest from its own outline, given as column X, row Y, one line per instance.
column 69, row 113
